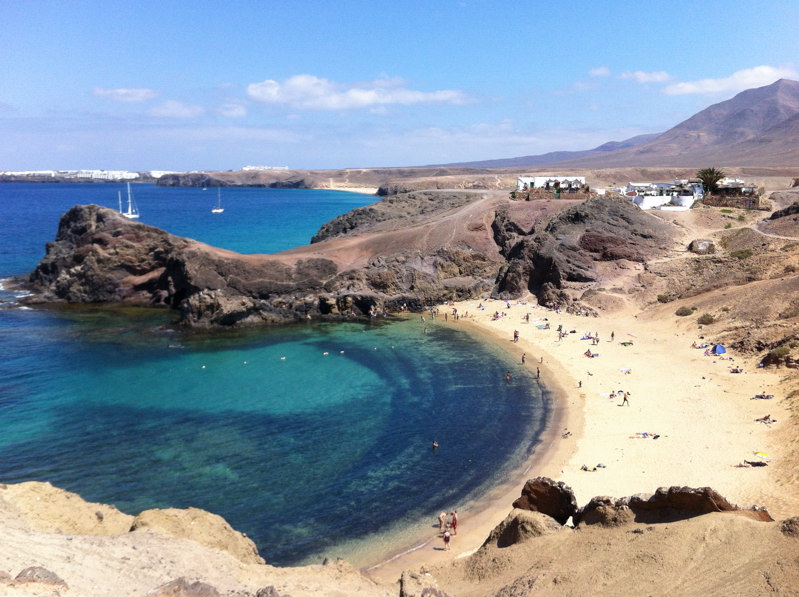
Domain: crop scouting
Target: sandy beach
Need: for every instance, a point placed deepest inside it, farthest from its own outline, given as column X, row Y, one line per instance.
column 362, row 190
column 689, row 419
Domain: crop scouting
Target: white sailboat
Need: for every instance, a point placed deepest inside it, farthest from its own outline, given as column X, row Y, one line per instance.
column 218, row 209
column 133, row 211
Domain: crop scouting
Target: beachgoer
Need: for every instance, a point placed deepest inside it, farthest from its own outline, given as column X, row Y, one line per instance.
column 625, row 401
column 507, row 376
column 537, row 373
column 447, row 537
column 454, row 522
column 515, row 335
column 612, row 335
column 442, row 521
column 580, row 384
column 435, row 445
column 524, row 355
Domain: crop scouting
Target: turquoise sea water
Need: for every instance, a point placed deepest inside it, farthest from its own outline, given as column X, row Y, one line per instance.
column 313, row 439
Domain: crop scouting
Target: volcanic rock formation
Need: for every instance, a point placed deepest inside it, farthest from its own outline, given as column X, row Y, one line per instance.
column 407, row 251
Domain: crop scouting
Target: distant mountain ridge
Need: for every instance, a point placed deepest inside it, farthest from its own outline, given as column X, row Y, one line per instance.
column 553, row 156
column 757, row 127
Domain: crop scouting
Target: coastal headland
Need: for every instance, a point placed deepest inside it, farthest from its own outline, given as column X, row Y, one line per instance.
column 621, row 320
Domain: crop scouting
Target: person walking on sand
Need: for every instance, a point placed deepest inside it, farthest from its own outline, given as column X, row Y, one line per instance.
column 442, row 521
column 625, row 401
column 454, row 522
column 524, row 356
column 447, row 538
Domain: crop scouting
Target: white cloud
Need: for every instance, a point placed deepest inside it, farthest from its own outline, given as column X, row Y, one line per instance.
column 645, row 77
column 584, row 86
column 600, row 71
column 738, row 81
column 176, row 109
column 232, row 110
column 314, row 93
column 126, row 95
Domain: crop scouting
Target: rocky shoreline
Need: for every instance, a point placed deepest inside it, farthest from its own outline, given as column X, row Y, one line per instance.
column 406, row 252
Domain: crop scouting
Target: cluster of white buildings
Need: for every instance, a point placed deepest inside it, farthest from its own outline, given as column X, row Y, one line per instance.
column 677, row 195
column 85, row 174
column 265, row 168
column 549, row 182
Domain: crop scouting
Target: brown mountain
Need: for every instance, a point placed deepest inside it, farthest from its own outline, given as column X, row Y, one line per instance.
column 757, row 127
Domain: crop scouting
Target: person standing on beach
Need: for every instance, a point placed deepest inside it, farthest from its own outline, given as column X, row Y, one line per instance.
column 447, row 538
column 524, row 355
column 625, row 401
column 454, row 522
column 442, row 521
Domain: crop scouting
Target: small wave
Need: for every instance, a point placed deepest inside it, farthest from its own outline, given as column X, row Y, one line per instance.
column 11, row 293
column 396, row 556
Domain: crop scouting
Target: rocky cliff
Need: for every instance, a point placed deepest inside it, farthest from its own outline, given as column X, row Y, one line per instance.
column 410, row 250
column 679, row 540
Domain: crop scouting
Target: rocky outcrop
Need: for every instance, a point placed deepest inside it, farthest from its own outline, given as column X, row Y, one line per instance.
column 203, row 179
column 606, row 512
column 181, row 587
column 665, row 505
column 100, row 257
column 702, row 246
column 553, row 498
column 48, row 509
column 790, row 527
column 405, row 252
column 568, row 248
column 201, row 527
column 40, row 575
column 791, row 210
column 521, row 526
column 556, row 500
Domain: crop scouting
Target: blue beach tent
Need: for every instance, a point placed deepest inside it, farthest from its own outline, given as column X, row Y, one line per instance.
column 718, row 349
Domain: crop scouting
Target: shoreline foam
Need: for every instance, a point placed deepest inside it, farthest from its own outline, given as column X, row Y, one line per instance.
column 702, row 413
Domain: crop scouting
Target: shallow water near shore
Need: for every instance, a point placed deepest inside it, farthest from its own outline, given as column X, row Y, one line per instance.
column 313, row 439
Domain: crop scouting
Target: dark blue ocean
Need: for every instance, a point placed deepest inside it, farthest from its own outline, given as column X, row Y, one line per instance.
column 313, row 439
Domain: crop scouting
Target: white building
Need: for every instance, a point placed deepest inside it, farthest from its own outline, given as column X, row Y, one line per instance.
column 664, row 195
column 541, row 182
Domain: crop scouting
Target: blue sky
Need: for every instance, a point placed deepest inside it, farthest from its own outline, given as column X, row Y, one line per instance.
column 201, row 85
